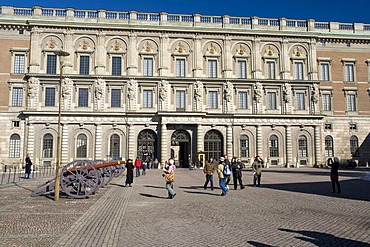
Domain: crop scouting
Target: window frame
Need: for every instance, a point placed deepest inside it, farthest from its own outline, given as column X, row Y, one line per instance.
column 242, row 68
column 148, row 102
column 51, row 64
column 329, row 146
column 213, row 101
column 49, row 98
column 180, row 65
column 212, row 68
column 81, row 98
column 15, row 146
column 81, row 146
column 180, row 99
column 115, row 100
column 17, row 98
column 148, row 70
column 116, row 66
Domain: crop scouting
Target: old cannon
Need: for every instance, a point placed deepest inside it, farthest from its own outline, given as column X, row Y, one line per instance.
column 82, row 178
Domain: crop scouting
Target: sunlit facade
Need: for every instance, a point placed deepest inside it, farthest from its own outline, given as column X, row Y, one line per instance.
column 164, row 85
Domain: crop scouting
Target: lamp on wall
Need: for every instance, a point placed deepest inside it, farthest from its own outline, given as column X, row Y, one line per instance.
column 60, row 55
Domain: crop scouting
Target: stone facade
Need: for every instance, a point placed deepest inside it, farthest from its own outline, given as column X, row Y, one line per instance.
column 137, row 84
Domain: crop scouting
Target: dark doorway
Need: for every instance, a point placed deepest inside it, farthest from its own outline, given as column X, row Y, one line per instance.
column 147, row 145
column 180, row 144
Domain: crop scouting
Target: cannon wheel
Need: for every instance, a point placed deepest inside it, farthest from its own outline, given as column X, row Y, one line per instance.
column 119, row 170
column 79, row 179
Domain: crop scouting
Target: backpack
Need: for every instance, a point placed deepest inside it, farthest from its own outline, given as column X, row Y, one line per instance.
column 227, row 171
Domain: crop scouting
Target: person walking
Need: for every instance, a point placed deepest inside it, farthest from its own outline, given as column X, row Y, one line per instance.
column 137, row 165
column 209, row 169
column 257, row 170
column 144, row 165
column 221, row 177
column 334, row 174
column 28, row 166
column 237, row 167
column 169, row 175
column 227, row 162
column 129, row 172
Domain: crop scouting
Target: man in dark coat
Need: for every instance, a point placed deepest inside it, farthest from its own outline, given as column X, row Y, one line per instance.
column 129, row 172
column 28, row 167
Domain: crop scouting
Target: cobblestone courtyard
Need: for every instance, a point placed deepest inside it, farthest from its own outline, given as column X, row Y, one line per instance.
column 294, row 207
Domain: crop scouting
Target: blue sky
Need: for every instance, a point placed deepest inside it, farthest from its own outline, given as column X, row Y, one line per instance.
column 320, row 10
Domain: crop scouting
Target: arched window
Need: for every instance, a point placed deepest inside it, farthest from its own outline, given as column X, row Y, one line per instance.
column 244, row 146
column 302, row 146
column 329, row 146
column 213, row 144
column 274, row 146
column 114, row 146
column 81, row 146
column 15, row 146
column 353, row 143
column 147, row 145
column 47, row 146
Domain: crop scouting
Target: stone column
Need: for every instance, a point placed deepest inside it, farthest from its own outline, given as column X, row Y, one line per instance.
column 259, row 140
column 65, row 152
column 256, row 59
column 164, row 55
column 200, row 138
column 198, row 59
column 164, row 145
column 68, row 47
column 229, row 141
column 312, row 61
column 227, row 63
column 131, row 141
column 289, row 153
column 31, row 141
column 35, row 51
column 98, row 141
column 317, row 145
column 132, row 55
column 285, row 70
column 100, row 54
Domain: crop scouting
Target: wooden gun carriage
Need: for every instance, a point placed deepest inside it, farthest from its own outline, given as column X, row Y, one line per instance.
column 82, row 178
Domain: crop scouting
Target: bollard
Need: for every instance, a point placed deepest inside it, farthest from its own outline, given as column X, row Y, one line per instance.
column 6, row 166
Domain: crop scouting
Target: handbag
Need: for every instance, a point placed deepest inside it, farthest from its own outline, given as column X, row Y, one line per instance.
column 170, row 177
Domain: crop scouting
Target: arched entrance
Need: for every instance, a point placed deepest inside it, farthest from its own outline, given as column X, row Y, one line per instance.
column 147, row 145
column 180, row 147
column 213, row 144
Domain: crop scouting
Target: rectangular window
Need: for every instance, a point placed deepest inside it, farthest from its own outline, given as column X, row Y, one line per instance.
column 19, row 60
column 351, row 102
column 270, row 70
column 326, row 102
column 83, row 97
column 116, row 65
column 298, row 70
column 243, row 100
column 324, row 72
column 271, row 101
column 242, row 69
column 180, row 100
column 84, row 65
column 49, row 96
column 349, row 72
column 212, row 68
column 148, row 99
column 328, row 127
column 180, row 67
column 213, row 99
column 51, row 64
column 115, row 98
column 17, row 96
column 300, row 101
column 148, row 66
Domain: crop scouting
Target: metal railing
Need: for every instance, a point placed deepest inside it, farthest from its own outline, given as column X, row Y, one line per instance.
column 13, row 174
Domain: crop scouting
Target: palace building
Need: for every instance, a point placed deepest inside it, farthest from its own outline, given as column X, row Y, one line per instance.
column 163, row 85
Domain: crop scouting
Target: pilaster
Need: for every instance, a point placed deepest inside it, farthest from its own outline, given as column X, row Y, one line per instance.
column 289, row 153
column 259, row 140
column 98, row 141
column 131, row 141
column 66, row 152
column 31, row 140
column 132, row 55
column 229, row 141
column 200, row 140
column 164, row 153
column 198, row 56
column 317, row 145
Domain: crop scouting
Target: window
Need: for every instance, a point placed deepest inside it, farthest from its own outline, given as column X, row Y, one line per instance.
column 148, row 98
column 271, row 101
column 353, row 126
column 180, row 100
column 274, row 146
column 212, row 68
column 213, row 99
column 15, row 145
column 298, row 70
column 115, row 98
column 324, row 71
column 242, row 69
column 50, row 96
column 300, row 101
column 15, row 124
column 116, row 65
column 19, row 61
column 17, row 96
column 353, row 143
column 51, row 64
column 148, row 66
column 243, row 100
column 326, row 102
column 147, row 144
column 302, row 146
column 244, row 146
column 114, row 146
column 213, row 144
column 270, row 70
column 180, row 67
column 84, row 65
column 83, row 97
column 329, row 148
column 349, row 72
column 351, row 102
column 81, row 151
column 47, row 146
column 328, row 126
